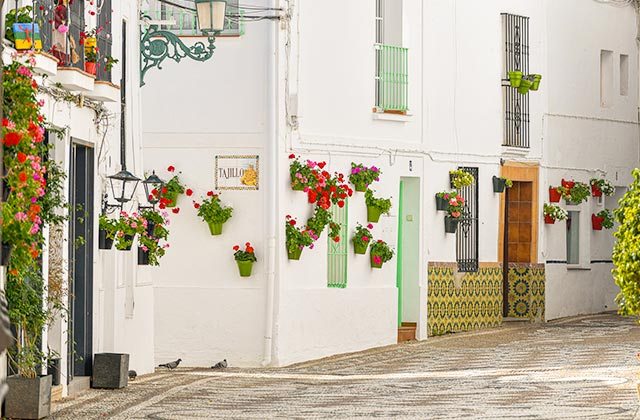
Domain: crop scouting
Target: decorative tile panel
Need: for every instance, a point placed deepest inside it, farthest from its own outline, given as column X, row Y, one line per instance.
column 526, row 291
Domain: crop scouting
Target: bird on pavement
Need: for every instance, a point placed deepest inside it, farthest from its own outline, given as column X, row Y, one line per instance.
column 133, row 374
column 171, row 365
column 220, row 365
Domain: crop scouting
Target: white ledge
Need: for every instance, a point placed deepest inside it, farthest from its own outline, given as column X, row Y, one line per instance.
column 74, row 79
column 515, row 151
column 104, row 91
column 385, row 116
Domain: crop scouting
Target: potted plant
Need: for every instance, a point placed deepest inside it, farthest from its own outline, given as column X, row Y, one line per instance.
column 575, row 193
column 376, row 206
column 553, row 212
column 22, row 30
column 460, row 178
column 90, row 60
column 361, row 176
column 297, row 238
column 499, row 183
column 554, row 194
column 604, row 219
column 380, row 253
column 567, row 184
column 245, row 259
column 109, row 62
column 214, row 212
column 442, row 199
column 454, row 214
column 107, row 231
column 362, row 238
column 515, row 77
column 304, row 173
column 171, row 190
column 127, row 227
column 535, row 81
column 601, row 186
column 153, row 229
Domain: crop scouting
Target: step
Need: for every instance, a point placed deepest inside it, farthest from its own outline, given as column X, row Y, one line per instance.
column 406, row 333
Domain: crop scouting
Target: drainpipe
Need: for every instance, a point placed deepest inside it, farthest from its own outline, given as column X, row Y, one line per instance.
column 272, row 193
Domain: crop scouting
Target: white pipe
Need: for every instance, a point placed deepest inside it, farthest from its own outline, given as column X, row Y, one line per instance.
column 272, row 193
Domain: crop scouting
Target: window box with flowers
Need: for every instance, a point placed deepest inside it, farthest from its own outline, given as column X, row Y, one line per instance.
column 600, row 187
column 553, row 212
column 574, row 192
column 376, row 206
column 362, row 238
column 213, row 211
column 454, row 214
column 297, row 238
column 603, row 219
column 152, row 230
column 380, row 253
column 499, row 184
column 108, row 228
column 245, row 259
column 362, row 176
column 460, row 178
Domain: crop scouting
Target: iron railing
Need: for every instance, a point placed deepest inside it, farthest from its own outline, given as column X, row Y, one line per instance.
column 515, row 32
column 467, row 233
column 104, row 40
column 392, row 79
column 338, row 252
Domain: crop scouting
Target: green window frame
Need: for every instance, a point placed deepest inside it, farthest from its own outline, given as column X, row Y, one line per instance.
column 338, row 252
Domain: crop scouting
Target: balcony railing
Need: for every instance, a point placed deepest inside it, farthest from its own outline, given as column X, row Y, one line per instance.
column 392, row 79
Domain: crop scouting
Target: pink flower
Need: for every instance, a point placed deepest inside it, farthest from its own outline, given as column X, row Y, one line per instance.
column 40, row 192
column 41, row 102
column 20, row 216
column 370, row 226
column 144, row 248
column 134, row 225
column 365, row 239
column 455, row 214
column 453, row 202
column 377, row 259
column 63, row 29
column 23, row 71
column 34, row 229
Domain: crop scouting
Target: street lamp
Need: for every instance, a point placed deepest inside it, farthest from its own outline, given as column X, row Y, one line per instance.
column 123, row 186
column 152, row 188
column 211, row 15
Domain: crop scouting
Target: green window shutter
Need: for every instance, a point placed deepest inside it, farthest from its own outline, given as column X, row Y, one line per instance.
column 337, row 253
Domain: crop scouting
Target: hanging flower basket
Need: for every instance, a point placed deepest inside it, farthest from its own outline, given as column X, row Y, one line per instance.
column 296, row 185
column 549, row 220
column 596, row 191
column 535, row 84
column 553, row 212
column 567, row 184
column 245, row 268
column 554, row 195
column 104, row 241
column 451, row 224
column 361, row 187
column 143, row 257
column 294, row 255
column 373, row 214
column 380, row 253
column 441, row 203
column 525, row 85
column 376, row 261
column 376, row 206
column 215, row 228
column 499, row 184
column 596, row 222
column 360, row 248
column 6, row 251
column 515, row 77
column 172, row 198
column 129, row 240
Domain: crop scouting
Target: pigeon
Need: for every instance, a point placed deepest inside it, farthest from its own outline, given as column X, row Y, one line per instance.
column 171, row 365
column 132, row 374
column 220, row 365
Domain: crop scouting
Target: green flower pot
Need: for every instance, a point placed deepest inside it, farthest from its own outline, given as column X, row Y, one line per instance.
column 525, row 85
column 245, row 268
column 294, row 255
column 373, row 214
column 451, row 224
column 374, row 265
column 536, row 82
column 173, row 199
column 361, row 187
column 515, row 77
column 360, row 248
column 215, row 228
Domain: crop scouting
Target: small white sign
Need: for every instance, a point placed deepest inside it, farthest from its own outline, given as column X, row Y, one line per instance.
column 237, row 172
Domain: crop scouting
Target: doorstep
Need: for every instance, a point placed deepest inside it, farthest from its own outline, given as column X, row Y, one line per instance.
column 56, row 393
column 407, row 332
column 78, row 385
column 74, row 79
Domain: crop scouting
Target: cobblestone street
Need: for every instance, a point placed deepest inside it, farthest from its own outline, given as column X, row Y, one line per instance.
column 576, row 368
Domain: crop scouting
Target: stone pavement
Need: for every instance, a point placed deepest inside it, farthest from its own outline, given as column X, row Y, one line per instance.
column 575, row 368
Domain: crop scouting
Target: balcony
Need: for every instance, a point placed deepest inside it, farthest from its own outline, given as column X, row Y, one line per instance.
column 392, row 79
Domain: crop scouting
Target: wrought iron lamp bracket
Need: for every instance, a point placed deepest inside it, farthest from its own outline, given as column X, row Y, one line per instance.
column 157, row 45
column 109, row 208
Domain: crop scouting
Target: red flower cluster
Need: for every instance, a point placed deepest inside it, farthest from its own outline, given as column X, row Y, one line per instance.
column 329, row 190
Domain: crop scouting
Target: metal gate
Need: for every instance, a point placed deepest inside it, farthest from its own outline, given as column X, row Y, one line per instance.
column 467, row 234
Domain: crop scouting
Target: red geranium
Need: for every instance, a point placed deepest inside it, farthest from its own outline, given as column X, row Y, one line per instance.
column 171, row 169
column 12, row 139
column 189, row 192
column 21, row 157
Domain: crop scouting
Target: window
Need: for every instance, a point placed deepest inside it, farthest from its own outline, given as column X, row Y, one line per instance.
column 515, row 34
column 624, row 74
column 182, row 12
column 573, row 237
column 606, row 78
column 467, row 233
column 338, row 252
column 391, row 79
column 104, row 38
column 76, row 25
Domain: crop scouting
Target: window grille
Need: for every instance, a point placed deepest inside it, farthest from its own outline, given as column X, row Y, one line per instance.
column 338, row 252
column 104, row 39
column 515, row 33
column 467, row 233
column 392, row 62
column 76, row 25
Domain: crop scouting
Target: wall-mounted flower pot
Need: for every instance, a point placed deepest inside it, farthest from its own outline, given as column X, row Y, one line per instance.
column 535, row 84
column 90, row 67
column 376, row 264
column 596, row 191
column 515, row 77
column 110, row 370
column 554, row 195
column 441, row 203
column 28, row 398
column 567, row 184
column 173, row 199
column 294, row 255
column 361, row 187
column 215, row 228
column 296, row 185
column 24, row 34
column 373, row 214
column 143, row 257
column 53, row 369
column 360, row 248
column 498, row 184
column 104, row 242
column 245, row 268
column 548, row 219
column 451, row 224
column 596, row 222
column 6, row 252
column 129, row 239
column 525, row 85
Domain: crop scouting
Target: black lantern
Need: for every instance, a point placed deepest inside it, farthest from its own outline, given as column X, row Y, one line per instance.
column 152, row 188
column 211, row 15
column 123, row 186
